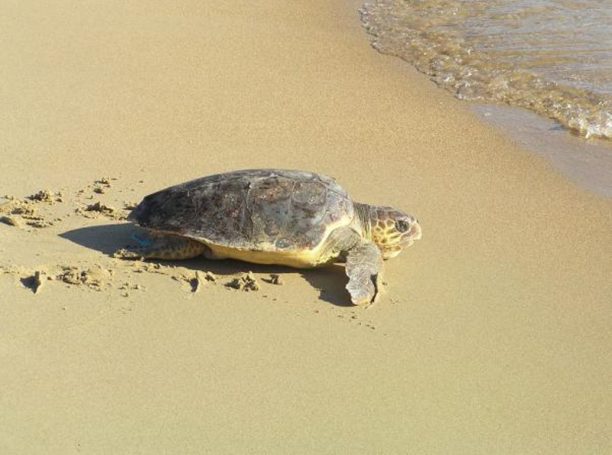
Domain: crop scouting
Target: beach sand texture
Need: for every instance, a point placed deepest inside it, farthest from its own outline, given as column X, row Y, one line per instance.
column 493, row 335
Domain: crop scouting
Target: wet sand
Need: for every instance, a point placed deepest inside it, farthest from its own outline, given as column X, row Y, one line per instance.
column 493, row 333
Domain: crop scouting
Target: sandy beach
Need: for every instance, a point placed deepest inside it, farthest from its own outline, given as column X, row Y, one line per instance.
column 493, row 333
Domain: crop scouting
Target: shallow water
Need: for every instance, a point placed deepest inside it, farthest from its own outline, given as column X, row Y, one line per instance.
column 553, row 57
column 586, row 163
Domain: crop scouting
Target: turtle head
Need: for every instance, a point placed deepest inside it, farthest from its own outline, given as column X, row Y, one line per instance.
column 392, row 230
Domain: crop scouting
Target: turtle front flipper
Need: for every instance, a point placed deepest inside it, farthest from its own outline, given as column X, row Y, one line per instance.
column 163, row 246
column 364, row 266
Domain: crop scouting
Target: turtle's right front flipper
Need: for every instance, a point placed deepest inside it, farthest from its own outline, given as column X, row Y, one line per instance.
column 364, row 266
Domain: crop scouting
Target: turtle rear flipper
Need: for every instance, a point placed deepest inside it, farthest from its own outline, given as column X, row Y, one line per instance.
column 163, row 246
column 364, row 266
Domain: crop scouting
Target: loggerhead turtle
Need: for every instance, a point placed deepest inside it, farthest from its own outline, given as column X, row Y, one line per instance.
column 272, row 216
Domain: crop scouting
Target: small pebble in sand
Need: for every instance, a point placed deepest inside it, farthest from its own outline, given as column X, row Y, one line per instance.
column 38, row 222
column 15, row 212
column 120, row 254
column 94, row 277
column 209, row 276
column 236, row 283
column 22, row 209
column 101, row 208
column 45, row 196
column 246, row 282
column 106, row 181
column 274, row 279
column 251, row 283
column 11, row 221
column 99, row 190
column 127, row 286
column 97, row 208
column 70, row 275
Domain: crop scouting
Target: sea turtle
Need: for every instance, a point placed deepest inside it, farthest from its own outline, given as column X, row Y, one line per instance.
column 272, row 216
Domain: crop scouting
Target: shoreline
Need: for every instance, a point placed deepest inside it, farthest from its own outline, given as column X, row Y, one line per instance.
column 587, row 162
column 414, row 33
column 491, row 335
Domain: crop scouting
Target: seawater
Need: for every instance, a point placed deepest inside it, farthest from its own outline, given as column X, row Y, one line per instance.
column 553, row 57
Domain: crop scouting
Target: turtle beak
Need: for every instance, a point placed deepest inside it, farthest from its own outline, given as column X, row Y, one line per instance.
column 414, row 233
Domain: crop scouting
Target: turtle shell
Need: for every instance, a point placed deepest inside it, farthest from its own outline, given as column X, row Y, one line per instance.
column 256, row 210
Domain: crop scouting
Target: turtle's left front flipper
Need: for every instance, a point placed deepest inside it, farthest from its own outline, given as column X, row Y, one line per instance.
column 364, row 265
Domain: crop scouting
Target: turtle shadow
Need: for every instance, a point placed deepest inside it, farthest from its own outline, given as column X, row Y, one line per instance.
column 109, row 238
column 106, row 238
column 330, row 281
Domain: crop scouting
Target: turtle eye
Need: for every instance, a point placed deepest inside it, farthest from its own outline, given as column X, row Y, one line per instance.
column 402, row 225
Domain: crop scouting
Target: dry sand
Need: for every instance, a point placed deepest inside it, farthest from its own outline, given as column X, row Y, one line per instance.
column 493, row 335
